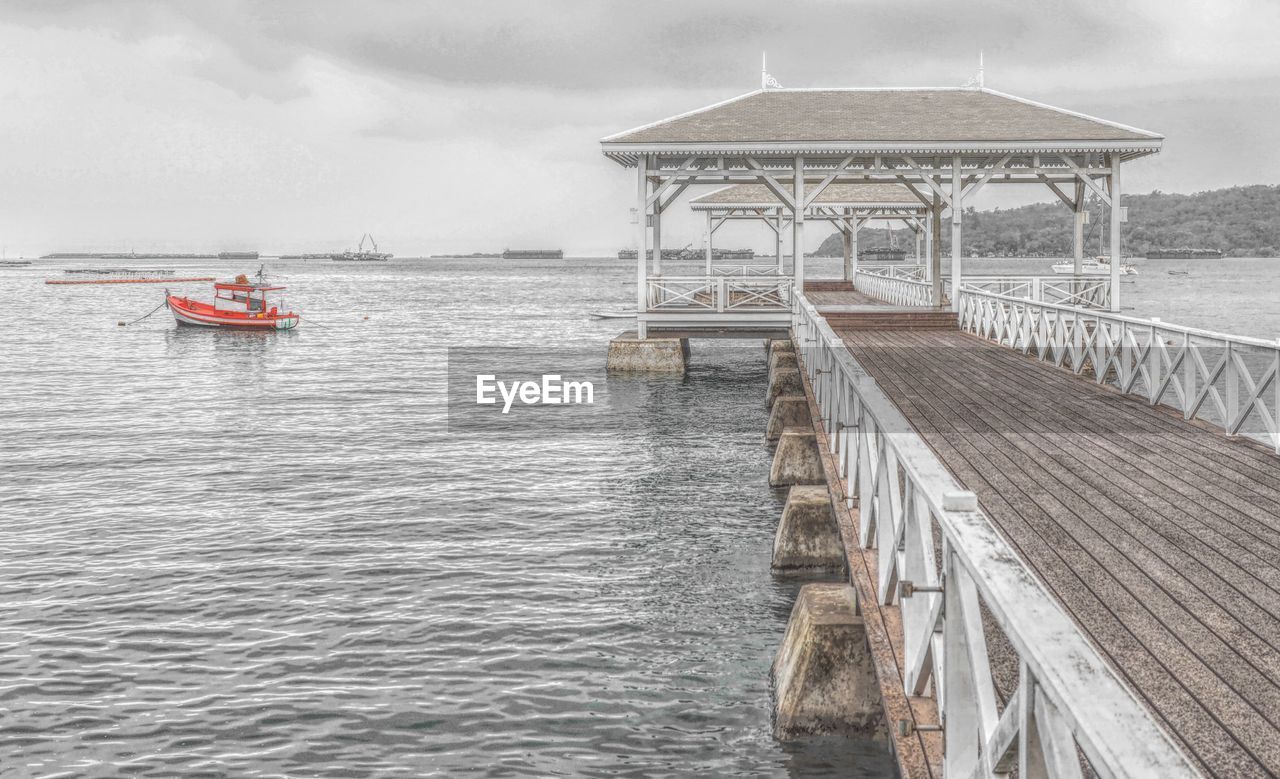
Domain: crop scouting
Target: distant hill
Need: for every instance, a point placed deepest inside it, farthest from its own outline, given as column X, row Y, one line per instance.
column 1240, row 221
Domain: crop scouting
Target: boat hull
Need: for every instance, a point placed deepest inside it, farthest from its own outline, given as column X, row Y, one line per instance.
column 195, row 314
column 1091, row 269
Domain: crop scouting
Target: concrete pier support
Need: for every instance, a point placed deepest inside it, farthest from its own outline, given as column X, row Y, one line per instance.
column 779, row 345
column 823, row 676
column 796, row 460
column 629, row 354
column 808, row 538
column 784, row 376
column 787, row 411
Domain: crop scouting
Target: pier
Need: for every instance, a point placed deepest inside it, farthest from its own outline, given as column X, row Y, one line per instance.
column 1050, row 530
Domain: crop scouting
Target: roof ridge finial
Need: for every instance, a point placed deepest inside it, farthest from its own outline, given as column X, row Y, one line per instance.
column 977, row 82
column 767, row 81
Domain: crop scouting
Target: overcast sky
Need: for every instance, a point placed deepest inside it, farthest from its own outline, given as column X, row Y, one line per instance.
column 464, row 126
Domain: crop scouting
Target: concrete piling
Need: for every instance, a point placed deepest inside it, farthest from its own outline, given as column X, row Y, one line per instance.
column 787, row 411
column 808, row 537
column 824, row 678
column 784, row 379
column 629, row 354
column 779, row 345
column 796, row 460
column 779, row 361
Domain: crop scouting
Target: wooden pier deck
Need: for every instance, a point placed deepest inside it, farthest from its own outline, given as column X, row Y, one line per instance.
column 1160, row 537
column 825, row 298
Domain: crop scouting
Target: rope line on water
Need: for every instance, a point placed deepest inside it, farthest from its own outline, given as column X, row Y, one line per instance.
column 149, row 313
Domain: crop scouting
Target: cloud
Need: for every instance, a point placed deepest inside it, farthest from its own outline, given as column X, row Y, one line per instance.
column 627, row 44
column 289, row 122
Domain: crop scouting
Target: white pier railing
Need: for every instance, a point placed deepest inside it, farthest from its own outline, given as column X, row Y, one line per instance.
column 745, row 270
column 1230, row 381
column 914, row 272
column 1067, row 696
column 719, row 293
column 895, row 290
column 1084, row 291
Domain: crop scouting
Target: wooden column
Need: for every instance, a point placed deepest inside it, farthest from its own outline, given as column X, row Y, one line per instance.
column 1113, row 163
column 642, row 250
column 710, row 232
column 777, row 240
column 1078, row 244
column 657, row 237
column 846, row 245
column 957, row 211
column 854, row 224
column 935, row 249
column 797, row 224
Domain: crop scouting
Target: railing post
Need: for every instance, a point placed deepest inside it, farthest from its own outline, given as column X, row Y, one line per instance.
column 1275, row 398
column 1189, row 376
column 960, row 717
column 1233, row 388
column 1153, row 363
column 1123, row 361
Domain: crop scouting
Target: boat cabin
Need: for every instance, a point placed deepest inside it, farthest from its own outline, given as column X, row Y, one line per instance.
column 242, row 296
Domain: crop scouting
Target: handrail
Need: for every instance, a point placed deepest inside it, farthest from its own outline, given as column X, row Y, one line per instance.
column 894, row 290
column 1067, row 694
column 757, row 269
column 719, row 293
column 1082, row 290
column 907, row 271
column 1218, row 377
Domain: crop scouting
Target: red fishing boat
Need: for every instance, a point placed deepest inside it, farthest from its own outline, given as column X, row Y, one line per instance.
column 239, row 303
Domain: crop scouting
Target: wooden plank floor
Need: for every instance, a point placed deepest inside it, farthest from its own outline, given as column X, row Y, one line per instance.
column 1160, row 537
column 842, row 298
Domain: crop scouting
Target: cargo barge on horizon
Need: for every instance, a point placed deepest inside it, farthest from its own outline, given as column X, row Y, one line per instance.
column 533, row 254
column 150, row 256
column 362, row 254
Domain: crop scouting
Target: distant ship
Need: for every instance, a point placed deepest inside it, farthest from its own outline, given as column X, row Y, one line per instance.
column 1098, row 266
column 882, row 254
column 127, row 256
column 533, row 254
column 237, row 255
column 361, row 254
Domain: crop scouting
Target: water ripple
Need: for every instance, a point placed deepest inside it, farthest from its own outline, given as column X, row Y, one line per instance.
column 230, row 554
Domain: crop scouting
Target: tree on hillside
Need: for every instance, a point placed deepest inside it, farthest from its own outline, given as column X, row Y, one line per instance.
column 1239, row 221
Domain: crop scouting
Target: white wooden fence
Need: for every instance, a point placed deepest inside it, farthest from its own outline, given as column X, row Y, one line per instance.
column 719, row 293
column 1227, row 380
column 914, row 272
column 745, row 270
column 1084, row 291
column 895, row 290
column 1067, row 696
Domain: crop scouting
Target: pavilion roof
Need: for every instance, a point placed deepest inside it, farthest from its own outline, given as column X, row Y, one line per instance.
column 893, row 196
column 850, row 120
